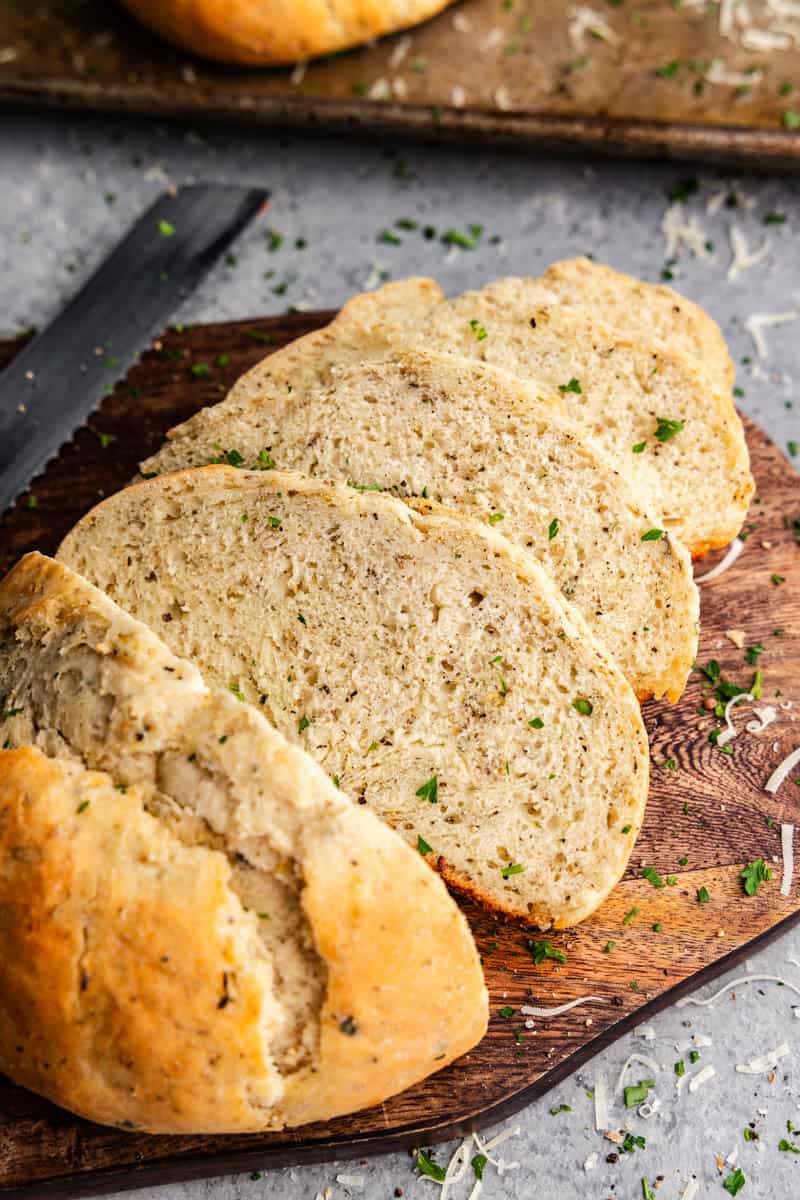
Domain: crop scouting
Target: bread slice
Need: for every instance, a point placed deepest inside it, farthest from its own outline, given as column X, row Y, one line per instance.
column 643, row 310
column 427, row 663
column 476, row 439
column 676, row 440
column 200, row 932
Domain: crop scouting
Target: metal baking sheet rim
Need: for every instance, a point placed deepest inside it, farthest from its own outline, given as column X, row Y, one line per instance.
column 773, row 149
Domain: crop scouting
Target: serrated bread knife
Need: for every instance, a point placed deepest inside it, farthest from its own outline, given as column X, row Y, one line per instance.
column 61, row 375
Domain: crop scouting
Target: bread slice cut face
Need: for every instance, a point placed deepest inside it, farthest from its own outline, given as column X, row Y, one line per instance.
column 429, row 665
column 655, row 414
column 428, row 425
column 643, row 310
column 200, row 932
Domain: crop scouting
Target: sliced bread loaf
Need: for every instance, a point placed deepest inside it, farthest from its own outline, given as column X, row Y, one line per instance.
column 476, row 439
column 427, row 663
column 208, row 936
column 678, row 441
column 643, row 310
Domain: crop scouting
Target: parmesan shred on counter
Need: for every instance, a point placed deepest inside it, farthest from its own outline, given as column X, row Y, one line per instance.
column 787, row 850
column 734, row 983
column 756, row 323
column 765, row 1062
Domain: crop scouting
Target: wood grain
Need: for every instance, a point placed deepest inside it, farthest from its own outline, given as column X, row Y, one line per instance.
column 523, row 80
column 711, row 809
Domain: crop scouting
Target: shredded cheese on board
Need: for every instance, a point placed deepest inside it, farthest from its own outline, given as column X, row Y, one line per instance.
column 782, row 771
column 528, row 1010
column 729, row 733
column 583, row 20
column 737, row 546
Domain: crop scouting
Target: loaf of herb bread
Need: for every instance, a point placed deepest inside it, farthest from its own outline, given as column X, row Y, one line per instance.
column 427, row 663
column 200, row 933
column 663, row 426
column 269, row 33
column 477, row 440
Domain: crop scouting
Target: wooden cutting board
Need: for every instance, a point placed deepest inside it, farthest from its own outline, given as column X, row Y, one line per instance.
column 705, row 806
column 504, row 72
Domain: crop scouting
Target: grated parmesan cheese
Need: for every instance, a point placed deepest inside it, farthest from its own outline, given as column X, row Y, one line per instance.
column 380, row 90
column 702, row 1077
column 583, row 20
column 299, row 74
column 600, row 1103
column 528, row 1011
column 720, row 74
column 351, row 1181
column 733, row 984
column 461, row 23
column 458, row 97
column 785, row 8
column 678, row 231
column 742, row 258
column 782, row 771
column 758, row 322
column 787, row 850
column 493, row 38
column 765, row 39
column 729, row 733
column 591, row 1161
column 399, row 52
column 736, row 548
column 502, row 98
column 765, row 716
column 691, row 1190
column 765, row 1062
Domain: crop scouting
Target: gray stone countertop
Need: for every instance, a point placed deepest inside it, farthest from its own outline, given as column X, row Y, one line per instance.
column 70, row 186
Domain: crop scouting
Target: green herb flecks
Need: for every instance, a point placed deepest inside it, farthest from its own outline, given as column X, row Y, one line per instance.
column 572, row 386
column 754, row 874
column 542, row 948
column 429, row 790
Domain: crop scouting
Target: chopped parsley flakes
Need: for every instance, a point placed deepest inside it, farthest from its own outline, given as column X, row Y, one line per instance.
column 666, row 429
column 572, row 386
column 754, row 874
column 429, row 790
column 636, row 1093
column 542, row 948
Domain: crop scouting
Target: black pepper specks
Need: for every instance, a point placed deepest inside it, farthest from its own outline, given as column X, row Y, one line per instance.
column 348, row 1026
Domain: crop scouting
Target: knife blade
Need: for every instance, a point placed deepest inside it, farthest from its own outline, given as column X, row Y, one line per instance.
column 57, row 380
